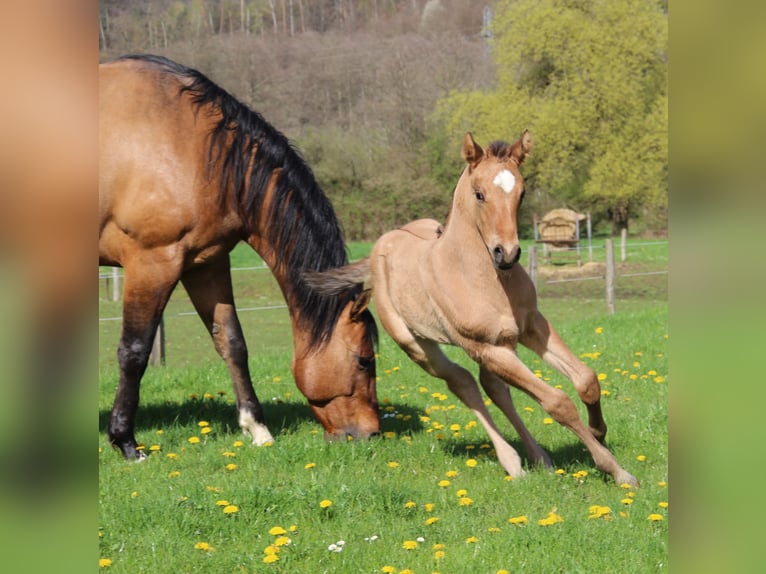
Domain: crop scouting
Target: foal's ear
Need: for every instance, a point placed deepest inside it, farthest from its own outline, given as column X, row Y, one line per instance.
column 360, row 304
column 522, row 148
column 472, row 152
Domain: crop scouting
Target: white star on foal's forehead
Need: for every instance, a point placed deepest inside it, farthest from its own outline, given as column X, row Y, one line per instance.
column 505, row 180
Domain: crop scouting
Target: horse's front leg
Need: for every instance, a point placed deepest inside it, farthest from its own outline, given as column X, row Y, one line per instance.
column 543, row 339
column 210, row 290
column 146, row 291
column 500, row 393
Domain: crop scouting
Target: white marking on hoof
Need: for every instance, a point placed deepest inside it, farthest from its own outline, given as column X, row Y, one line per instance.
column 505, row 180
column 253, row 428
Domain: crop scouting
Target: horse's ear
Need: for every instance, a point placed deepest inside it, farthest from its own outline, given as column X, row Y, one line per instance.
column 360, row 304
column 522, row 148
column 472, row 152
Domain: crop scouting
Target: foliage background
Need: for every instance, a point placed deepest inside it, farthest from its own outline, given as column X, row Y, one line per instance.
column 378, row 94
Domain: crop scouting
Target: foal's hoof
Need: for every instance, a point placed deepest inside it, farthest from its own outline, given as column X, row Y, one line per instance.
column 624, row 477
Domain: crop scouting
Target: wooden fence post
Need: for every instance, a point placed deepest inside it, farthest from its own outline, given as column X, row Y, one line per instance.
column 115, row 284
column 532, row 264
column 590, row 241
column 157, row 356
column 623, row 241
column 610, row 276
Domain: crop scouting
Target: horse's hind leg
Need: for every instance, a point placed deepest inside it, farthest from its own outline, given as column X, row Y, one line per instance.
column 500, row 393
column 210, row 291
column 543, row 339
column 144, row 298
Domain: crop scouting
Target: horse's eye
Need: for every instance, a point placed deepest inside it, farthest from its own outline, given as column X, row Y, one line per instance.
column 479, row 195
column 365, row 362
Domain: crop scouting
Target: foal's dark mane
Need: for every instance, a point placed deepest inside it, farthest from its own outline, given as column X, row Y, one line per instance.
column 308, row 236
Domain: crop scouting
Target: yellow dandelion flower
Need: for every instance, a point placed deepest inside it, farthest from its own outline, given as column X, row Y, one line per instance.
column 154, row 448
column 471, row 540
column 465, row 501
column 230, row 509
column 193, row 439
column 502, row 571
column 222, row 503
column 519, row 520
column 422, row 390
column 229, row 454
column 547, row 421
column 659, row 379
column 451, row 474
column 602, row 376
column 203, row 424
column 551, row 519
column 206, row 430
column 208, row 396
column 560, row 471
column 655, row 517
column 599, row 512
column 410, row 504
column 529, row 409
column 605, row 392
column 277, row 531
column 134, row 494
column 429, row 506
column 439, row 554
column 471, row 463
column 389, row 434
column 231, row 466
column 432, row 520
column 237, row 443
column 388, row 570
column 204, row 546
column 663, row 504
column 215, row 489
column 409, row 544
column 454, row 427
column 276, row 379
column 444, row 483
column 392, row 464
column 438, row 546
column 493, row 529
column 271, row 549
column 599, row 330
column 282, row 541
column 325, row 503
column 292, row 528
column 662, row 484
column 310, row 465
column 627, row 501
column 174, row 474
column 580, row 474
column 461, row 492
column 104, row 562
column 271, row 558
column 641, row 458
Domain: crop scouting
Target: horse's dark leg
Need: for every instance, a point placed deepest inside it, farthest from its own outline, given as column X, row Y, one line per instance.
column 209, row 288
column 144, row 299
column 500, row 393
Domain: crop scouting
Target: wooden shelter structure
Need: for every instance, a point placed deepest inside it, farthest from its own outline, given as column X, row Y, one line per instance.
column 559, row 232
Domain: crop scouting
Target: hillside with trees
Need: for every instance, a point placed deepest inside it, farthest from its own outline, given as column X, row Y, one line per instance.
column 378, row 93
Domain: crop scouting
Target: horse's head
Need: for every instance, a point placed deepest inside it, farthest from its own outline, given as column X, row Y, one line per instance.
column 338, row 378
column 490, row 192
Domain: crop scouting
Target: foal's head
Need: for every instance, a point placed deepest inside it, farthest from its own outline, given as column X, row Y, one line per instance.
column 490, row 192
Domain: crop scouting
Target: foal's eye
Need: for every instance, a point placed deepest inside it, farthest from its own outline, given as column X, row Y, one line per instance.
column 479, row 195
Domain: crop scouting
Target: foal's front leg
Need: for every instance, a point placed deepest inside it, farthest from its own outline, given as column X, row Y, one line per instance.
column 500, row 393
column 210, row 291
column 543, row 339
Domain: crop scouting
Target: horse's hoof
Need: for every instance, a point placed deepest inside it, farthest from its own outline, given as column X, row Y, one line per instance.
column 625, row 477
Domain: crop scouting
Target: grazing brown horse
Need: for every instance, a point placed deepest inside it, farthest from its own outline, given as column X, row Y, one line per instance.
column 186, row 172
column 460, row 285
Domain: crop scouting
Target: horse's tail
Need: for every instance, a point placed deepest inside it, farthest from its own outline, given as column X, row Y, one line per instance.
column 336, row 281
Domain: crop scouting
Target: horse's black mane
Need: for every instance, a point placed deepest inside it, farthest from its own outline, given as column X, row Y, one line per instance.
column 306, row 234
column 500, row 149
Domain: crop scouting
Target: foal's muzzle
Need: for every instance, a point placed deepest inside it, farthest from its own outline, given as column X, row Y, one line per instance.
column 506, row 259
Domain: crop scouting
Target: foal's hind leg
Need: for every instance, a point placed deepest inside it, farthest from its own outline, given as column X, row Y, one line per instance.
column 144, row 297
column 210, row 291
column 543, row 339
column 500, row 393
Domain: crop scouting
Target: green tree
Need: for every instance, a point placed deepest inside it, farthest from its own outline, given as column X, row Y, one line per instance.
column 589, row 79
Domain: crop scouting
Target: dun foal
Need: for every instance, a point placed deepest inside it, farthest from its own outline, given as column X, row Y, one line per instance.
column 460, row 285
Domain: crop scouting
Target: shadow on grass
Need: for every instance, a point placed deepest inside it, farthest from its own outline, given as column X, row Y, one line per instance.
column 279, row 415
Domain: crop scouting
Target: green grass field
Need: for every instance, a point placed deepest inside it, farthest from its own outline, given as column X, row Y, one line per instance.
column 427, row 496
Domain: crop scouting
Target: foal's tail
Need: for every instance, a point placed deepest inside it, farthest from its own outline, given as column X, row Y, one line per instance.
column 336, row 281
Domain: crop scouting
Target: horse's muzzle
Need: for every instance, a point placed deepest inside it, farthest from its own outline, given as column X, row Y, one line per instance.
column 506, row 259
